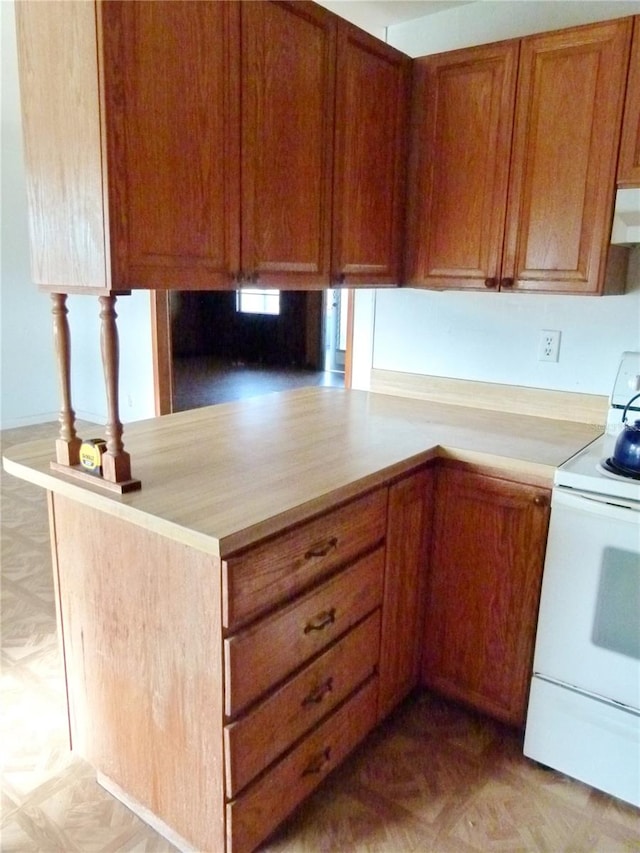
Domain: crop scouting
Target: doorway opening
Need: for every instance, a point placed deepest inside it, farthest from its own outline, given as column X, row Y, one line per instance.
column 228, row 345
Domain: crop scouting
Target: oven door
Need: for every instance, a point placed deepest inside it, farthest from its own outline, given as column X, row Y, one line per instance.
column 589, row 622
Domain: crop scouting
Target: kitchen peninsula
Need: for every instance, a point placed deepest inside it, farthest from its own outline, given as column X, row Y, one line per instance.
column 236, row 627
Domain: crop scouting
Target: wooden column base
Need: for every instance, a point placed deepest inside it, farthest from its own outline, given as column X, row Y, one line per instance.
column 76, row 472
column 68, row 452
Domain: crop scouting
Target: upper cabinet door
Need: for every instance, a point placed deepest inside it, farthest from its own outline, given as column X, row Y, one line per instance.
column 629, row 164
column 288, row 86
column 463, row 105
column 567, row 131
column 173, row 135
column 372, row 100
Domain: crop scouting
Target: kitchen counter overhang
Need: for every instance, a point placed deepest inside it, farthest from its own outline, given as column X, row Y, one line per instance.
column 222, row 478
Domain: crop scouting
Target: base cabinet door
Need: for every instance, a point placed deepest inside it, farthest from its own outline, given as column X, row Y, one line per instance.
column 483, row 591
column 408, row 530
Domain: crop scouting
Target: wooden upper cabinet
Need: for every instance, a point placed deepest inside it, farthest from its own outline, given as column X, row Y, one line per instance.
column 190, row 145
column 288, row 80
column 171, row 75
column 372, row 100
column 549, row 162
column 463, row 105
column 629, row 163
column 567, row 131
column 132, row 140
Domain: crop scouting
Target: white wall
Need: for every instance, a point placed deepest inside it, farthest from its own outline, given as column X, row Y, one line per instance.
column 493, row 337
column 492, row 20
column 29, row 390
column 28, row 381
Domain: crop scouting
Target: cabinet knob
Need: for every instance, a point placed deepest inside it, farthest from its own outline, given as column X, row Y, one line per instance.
column 541, row 500
column 491, row 282
column 506, row 282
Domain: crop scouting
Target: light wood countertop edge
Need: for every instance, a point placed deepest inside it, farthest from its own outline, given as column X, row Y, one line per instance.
column 223, row 547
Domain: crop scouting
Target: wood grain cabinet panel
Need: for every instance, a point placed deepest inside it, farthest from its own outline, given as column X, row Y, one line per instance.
column 371, row 124
column 190, row 145
column 629, row 164
column 567, row 131
column 288, row 84
column 261, row 577
column 463, row 105
column 261, row 656
column 518, row 194
column 406, row 567
column 118, row 98
column 171, row 76
column 483, row 591
column 254, row 815
column 268, row 730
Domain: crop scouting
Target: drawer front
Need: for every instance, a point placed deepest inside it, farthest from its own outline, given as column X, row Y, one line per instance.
column 263, row 655
column 254, row 815
column 270, row 573
column 254, row 741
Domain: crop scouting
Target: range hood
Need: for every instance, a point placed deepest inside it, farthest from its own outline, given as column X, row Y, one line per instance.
column 626, row 218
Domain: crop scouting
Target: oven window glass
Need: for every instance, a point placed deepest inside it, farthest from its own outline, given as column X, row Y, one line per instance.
column 617, row 619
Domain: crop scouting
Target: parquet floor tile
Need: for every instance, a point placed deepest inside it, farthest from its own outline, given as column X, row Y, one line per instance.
column 434, row 778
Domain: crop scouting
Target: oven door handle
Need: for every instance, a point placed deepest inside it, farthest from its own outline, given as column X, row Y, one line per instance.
column 602, row 505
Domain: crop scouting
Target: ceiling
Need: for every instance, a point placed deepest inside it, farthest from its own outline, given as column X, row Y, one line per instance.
column 371, row 14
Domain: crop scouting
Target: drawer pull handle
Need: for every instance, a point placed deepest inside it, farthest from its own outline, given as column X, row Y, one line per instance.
column 322, row 548
column 327, row 617
column 317, row 763
column 316, row 696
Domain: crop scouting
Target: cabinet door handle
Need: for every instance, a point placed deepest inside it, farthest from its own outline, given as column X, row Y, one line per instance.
column 317, row 763
column 322, row 548
column 321, row 621
column 491, row 282
column 541, row 500
column 506, row 282
column 317, row 695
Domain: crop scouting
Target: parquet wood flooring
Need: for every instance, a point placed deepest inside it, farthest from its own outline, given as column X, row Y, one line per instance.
column 434, row 778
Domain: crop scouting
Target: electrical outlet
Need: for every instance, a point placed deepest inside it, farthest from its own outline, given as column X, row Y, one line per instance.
column 549, row 348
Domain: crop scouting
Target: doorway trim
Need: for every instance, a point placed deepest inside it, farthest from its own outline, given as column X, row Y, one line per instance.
column 161, row 344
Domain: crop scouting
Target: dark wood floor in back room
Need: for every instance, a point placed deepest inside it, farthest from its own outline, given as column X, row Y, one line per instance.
column 434, row 778
column 205, row 381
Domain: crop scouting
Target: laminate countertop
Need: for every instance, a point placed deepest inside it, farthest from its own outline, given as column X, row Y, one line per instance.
column 223, row 477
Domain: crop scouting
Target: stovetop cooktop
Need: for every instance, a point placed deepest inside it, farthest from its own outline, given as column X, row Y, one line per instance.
column 587, row 471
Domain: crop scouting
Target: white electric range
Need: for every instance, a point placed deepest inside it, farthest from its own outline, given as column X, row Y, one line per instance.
column 584, row 707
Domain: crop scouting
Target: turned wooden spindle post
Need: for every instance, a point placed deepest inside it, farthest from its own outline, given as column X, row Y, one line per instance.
column 68, row 444
column 116, row 463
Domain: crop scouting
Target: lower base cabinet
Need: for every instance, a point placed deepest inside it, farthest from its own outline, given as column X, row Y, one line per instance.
column 408, row 535
column 483, row 590
column 217, row 694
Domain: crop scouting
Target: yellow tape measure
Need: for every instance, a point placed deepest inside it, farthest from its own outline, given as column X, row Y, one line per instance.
column 91, row 452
